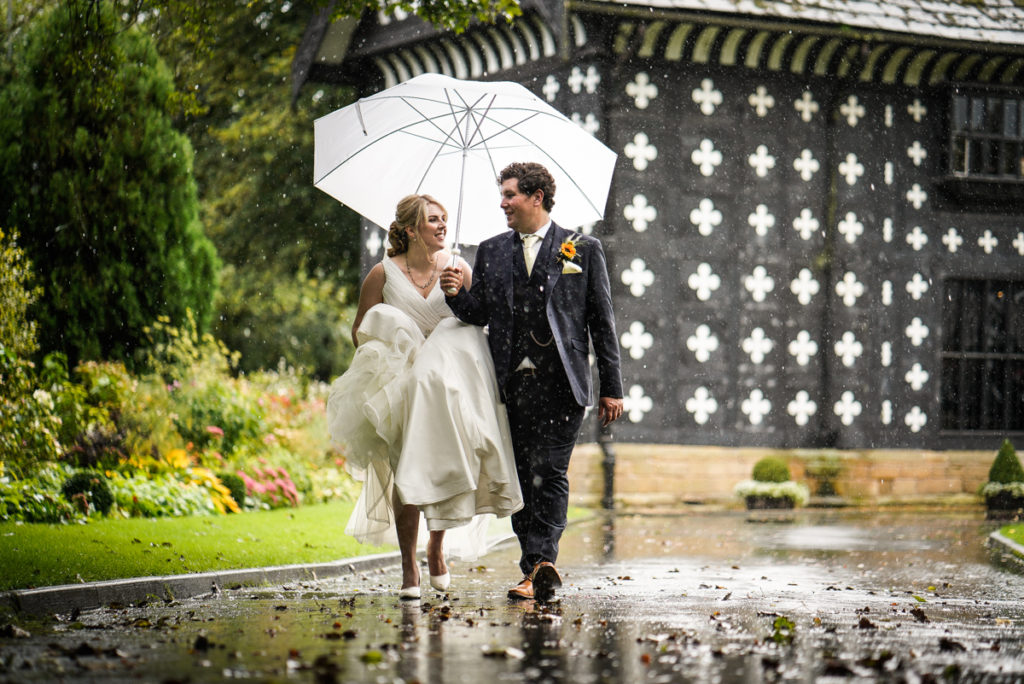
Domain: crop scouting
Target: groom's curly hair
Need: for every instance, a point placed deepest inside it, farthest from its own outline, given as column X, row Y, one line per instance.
column 531, row 177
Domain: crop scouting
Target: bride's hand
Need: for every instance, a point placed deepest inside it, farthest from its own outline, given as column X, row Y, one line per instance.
column 451, row 280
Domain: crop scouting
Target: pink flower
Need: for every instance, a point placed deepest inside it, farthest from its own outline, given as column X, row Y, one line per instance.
column 214, row 430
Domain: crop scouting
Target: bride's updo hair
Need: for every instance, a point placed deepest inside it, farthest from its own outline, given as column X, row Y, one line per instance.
column 411, row 212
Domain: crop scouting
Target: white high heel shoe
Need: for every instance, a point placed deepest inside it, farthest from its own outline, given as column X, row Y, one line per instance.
column 410, row 593
column 441, row 582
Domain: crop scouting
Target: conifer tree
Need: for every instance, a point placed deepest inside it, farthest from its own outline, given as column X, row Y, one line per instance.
column 99, row 183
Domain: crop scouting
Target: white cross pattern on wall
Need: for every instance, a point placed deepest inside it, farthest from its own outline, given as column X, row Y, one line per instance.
column 952, row 240
column 578, row 81
column 885, row 354
column 374, row 243
column 849, row 349
column 915, row 419
column 847, row 408
column 852, row 110
column 701, row 405
column 759, row 283
column 802, row 348
column 849, row 288
column 641, row 151
column 917, row 153
column 761, row 161
column 550, row 88
column 850, row 228
column 761, row 101
column 917, row 196
column 806, row 106
column 804, row 286
column 589, row 124
column 1018, row 242
column 704, row 281
column 806, row 165
column 640, row 214
column 637, row 340
column 757, row 345
column 805, row 224
column 702, row 342
column 916, row 377
column 706, row 217
column 988, row 241
column 917, row 286
column 756, row 406
column 642, row 90
column 801, row 408
column 636, row 404
column 917, row 331
column 707, row 97
column 917, row 110
column 761, row 220
column 886, row 415
column 917, row 238
column 851, row 169
column 637, row 278
column 706, row 157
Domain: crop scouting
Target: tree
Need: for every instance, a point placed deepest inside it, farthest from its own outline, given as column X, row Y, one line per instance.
column 100, row 183
column 17, row 332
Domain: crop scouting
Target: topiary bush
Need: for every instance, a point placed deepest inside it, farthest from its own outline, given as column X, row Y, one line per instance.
column 1006, row 468
column 89, row 488
column 771, row 469
column 235, row 485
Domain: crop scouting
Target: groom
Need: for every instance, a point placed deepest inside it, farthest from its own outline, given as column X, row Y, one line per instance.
column 544, row 293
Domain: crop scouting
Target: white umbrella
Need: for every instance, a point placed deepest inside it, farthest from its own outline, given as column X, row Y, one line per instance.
column 449, row 138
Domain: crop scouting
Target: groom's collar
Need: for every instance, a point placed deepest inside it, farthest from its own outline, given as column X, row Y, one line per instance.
column 541, row 232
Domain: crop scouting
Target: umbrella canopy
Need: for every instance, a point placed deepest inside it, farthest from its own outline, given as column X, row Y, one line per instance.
column 450, row 139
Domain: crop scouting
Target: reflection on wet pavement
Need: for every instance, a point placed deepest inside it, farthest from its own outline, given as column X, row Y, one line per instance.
column 812, row 596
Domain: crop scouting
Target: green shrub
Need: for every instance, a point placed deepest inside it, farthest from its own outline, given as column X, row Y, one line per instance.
column 235, row 485
column 89, row 489
column 29, row 425
column 158, row 495
column 17, row 332
column 37, row 499
column 770, row 469
column 1006, row 468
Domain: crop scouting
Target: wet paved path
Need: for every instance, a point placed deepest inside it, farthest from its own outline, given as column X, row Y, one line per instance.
column 823, row 596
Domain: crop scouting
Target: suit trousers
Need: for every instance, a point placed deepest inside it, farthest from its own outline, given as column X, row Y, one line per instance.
column 545, row 421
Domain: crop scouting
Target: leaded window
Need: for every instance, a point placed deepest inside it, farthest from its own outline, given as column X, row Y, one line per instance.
column 983, row 355
column 987, row 134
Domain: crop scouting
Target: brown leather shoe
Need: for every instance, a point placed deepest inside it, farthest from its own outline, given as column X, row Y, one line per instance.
column 545, row 580
column 523, row 590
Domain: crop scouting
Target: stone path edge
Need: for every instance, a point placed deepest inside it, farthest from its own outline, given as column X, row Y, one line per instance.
column 1013, row 551
column 66, row 598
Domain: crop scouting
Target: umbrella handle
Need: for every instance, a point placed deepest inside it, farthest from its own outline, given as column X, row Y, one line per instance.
column 455, row 260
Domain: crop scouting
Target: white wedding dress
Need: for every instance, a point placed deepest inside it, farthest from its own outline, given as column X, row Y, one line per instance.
column 418, row 411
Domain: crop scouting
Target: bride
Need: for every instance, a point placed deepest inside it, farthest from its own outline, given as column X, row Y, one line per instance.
column 417, row 413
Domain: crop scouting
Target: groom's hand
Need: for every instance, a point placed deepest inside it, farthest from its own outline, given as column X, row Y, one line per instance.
column 608, row 410
column 451, row 280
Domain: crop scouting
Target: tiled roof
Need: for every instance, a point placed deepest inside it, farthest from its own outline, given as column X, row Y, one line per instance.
column 993, row 21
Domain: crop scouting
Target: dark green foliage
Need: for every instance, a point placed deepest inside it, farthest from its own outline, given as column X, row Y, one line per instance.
column 1006, row 468
column 17, row 332
column 100, row 184
column 771, row 470
column 89, row 487
column 100, row 446
column 235, row 485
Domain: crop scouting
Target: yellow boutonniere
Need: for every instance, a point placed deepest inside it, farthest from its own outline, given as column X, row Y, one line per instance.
column 567, row 250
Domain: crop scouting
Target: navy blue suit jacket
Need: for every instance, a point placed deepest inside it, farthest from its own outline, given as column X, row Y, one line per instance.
column 579, row 308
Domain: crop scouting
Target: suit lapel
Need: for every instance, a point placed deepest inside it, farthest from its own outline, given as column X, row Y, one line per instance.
column 549, row 252
column 508, row 260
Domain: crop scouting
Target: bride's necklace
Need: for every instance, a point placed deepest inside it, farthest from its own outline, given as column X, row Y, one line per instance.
column 413, row 281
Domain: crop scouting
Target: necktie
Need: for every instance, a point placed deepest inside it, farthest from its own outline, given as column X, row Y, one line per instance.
column 528, row 255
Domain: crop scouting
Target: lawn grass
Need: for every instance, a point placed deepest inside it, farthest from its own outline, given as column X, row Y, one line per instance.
column 37, row 555
column 1014, row 532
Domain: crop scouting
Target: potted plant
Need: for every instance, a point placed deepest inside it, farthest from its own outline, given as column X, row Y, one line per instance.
column 1004, row 491
column 771, row 487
